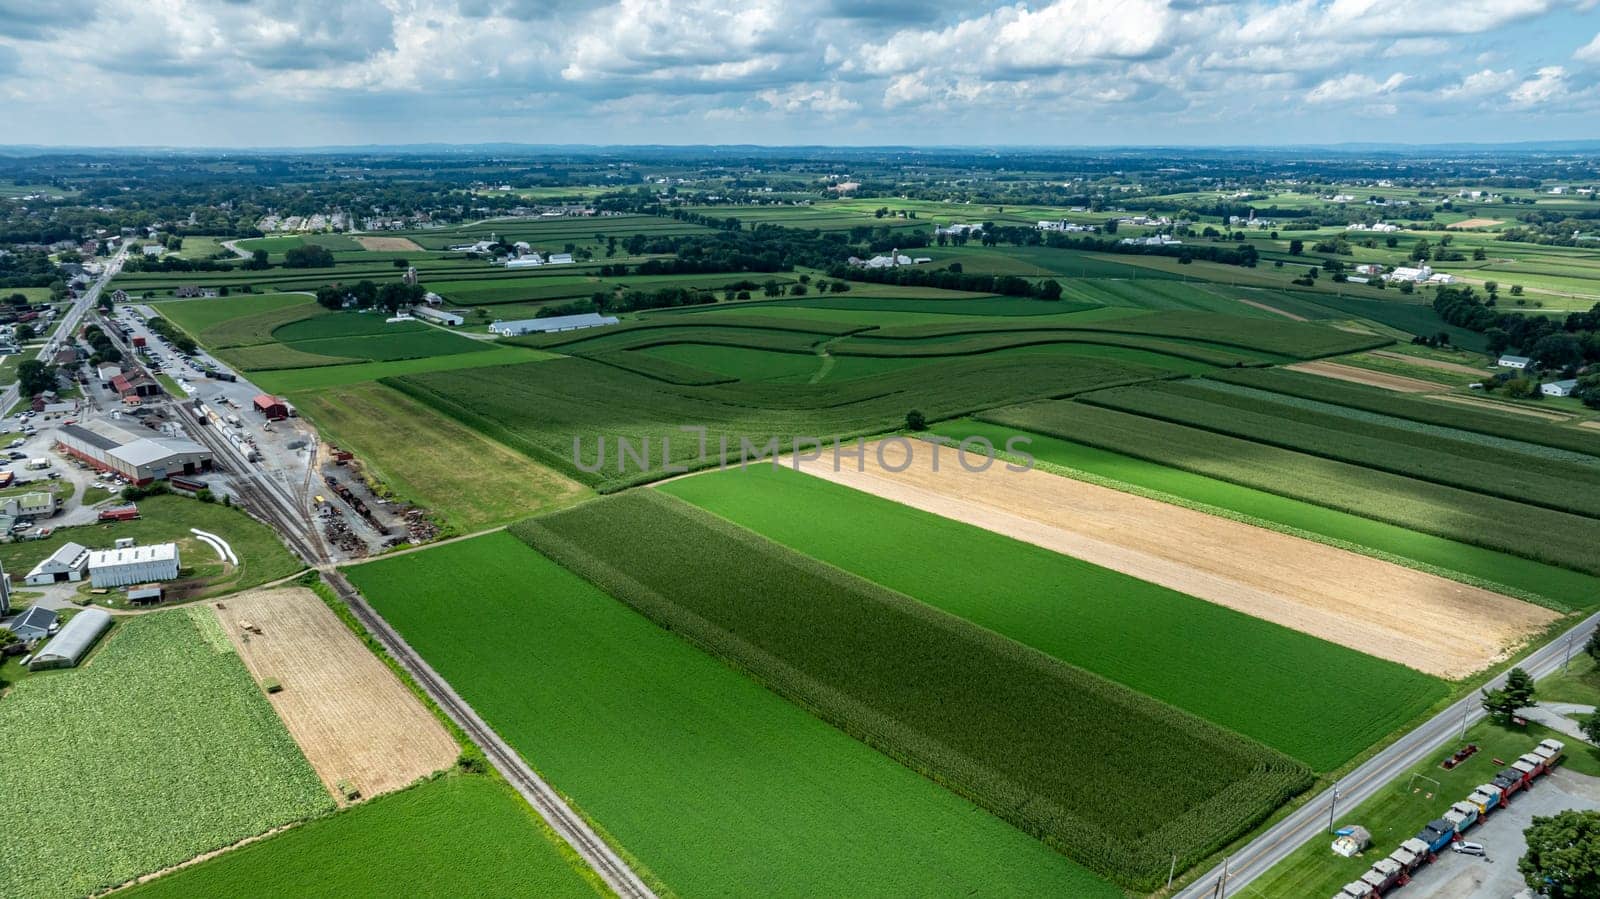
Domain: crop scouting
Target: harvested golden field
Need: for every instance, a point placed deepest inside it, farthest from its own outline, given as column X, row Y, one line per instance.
column 1476, row 223
column 352, row 717
column 1426, row 622
column 388, row 244
column 1366, row 376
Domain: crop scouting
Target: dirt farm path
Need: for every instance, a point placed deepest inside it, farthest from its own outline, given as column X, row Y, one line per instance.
column 1367, row 376
column 352, row 717
column 1273, row 309
column 1504, row 407
column 1426, row 622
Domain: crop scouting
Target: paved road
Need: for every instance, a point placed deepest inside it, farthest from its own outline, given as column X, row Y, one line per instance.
column 80, row 306
column 1310, row 821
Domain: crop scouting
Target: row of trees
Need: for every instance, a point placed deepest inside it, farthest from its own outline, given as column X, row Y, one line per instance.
column 1553, row 343
column 366, row 295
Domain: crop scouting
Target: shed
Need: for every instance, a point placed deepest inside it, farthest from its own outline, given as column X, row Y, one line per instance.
column 1559, row 388
column 552, row 323
column 1520, row 363
column 275, row 408
column 34, row 623
column 140, row 596
column 73, row 642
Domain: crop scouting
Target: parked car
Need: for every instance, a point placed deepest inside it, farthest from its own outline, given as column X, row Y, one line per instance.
column 16, row 455
column 1467, row 847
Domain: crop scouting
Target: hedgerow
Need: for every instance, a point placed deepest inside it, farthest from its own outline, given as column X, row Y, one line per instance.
column 1107, row 775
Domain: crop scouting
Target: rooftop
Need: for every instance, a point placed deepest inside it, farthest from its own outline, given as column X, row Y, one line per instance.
column 156, row 552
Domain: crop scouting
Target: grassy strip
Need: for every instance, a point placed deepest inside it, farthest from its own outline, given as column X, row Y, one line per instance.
column 1015, row 730
column 1285, row 338
column 1539, row 534
column 708, row 321
column 658, row 369
column 995, row 342
column 1472, row 468
column 1484, row 421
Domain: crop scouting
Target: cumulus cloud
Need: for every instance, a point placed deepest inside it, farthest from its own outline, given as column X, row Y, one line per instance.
column 1549, row 83
column 1354, row 87
column 1589, row 52
column 1481, row 83
column 303, row 71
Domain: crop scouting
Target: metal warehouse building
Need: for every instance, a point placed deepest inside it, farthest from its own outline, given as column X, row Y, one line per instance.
column 553, row 323
column 139, row 459
column 129, row 564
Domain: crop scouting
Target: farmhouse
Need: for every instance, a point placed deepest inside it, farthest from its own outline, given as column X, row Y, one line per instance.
column 38, row 504
column 129, row 564
column 1370, row 268
column 1520, row 363
column 438, row 315
column 553, row 323
column 1155, row 240
column 275, row 408
column 76, row 637
column 137, row 458
column 35, row 623
column 1065, row 227
column 65, row 564
column 135, row 385
column 1559, row 388
column 1416, row 275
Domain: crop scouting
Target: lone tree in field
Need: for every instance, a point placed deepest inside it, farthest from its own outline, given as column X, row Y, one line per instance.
column 915, row 421
column 1563, row 859
column 1519, row 688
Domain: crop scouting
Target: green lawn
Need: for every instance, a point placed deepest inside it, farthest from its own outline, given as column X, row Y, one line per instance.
column 386, row 347
column 743, row 787
column 160, row 748
column 1246, row 674
column 456, row 836
column 262, row 556
column 1557, row 587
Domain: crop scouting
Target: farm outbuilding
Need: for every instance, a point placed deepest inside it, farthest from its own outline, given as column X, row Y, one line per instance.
column 275, row 408
column 65, row 564
column 553, row 323
column 139, row 459
column 129, row 564
column 74, row 641
column 34, row 623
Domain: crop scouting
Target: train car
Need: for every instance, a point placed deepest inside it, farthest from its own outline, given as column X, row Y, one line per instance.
column 1486, row 797
column 1437, row 835
column 1510, row 780
column 1419, row 849
column 1536, row 760
column 1529, row 770
column 1551, row 751
column 192, row 485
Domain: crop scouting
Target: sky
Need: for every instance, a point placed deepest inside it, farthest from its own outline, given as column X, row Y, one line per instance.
column 284, row 73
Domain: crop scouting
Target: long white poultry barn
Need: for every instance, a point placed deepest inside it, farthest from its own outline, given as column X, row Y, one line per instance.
column 128, row 564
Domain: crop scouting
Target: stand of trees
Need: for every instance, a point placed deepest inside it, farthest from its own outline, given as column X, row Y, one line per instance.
column 1552, row 343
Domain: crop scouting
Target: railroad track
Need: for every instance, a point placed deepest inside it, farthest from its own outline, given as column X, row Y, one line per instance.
column 544, row 799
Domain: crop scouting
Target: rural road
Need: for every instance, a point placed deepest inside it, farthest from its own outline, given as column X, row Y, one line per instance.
column 1310, row 821
column 544, row 799
column 63, row 334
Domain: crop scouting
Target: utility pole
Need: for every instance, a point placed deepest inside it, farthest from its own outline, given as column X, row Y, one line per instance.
column 1331, row 806
column 1567, row 655
column 1222, row 885
column 1172, row 870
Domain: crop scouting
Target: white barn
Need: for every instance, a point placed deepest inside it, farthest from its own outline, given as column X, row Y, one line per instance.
column 129, row 564
column 1520, row 363
column 1559, row 388
column 65, row 564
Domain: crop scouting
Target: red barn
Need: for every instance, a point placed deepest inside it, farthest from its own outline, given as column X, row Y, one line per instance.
column 273, row 407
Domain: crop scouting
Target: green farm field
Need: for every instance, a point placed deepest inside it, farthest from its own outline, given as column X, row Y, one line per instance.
column 199, row 316
column 418, row 453
column 98, row 794
column 1558, row 588
column 462, row 835
column 540, row 411
column 295, row 379
column 1012, row 728
column 1248, row 675
column 746, row 787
